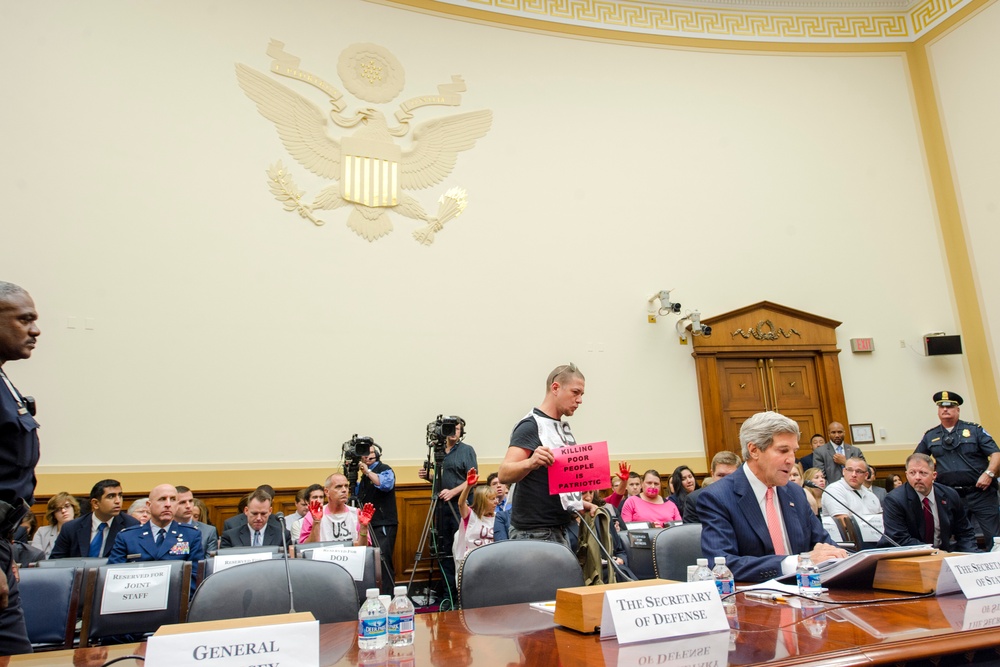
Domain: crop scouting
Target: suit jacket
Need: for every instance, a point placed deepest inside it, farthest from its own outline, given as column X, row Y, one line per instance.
column 879, row 492
column 823, row 459
column 241, row 520
column 733, row 526
column 690, row 513
column 137, row 544
column 903, row 516
column 240, row 536
column 209, row 536
column 807, row 462
column 74, row 538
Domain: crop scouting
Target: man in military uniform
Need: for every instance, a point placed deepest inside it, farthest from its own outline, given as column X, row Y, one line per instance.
column 968, row 461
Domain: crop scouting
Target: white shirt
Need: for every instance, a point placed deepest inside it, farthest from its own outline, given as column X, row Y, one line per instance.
column 789, row 564
column 862, row 501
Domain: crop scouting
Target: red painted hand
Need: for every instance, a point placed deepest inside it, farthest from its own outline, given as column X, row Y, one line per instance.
column 472, row 477
column 624, row 470
column 366, row 514
column 316, row 509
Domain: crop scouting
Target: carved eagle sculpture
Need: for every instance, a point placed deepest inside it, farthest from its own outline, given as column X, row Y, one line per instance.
column 373, row 172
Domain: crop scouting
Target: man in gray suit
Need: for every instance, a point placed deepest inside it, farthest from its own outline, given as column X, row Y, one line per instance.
column 870, row 484
column 183, row 513
column 831, row 457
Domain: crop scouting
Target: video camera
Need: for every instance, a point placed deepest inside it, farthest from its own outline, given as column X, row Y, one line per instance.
column 438, row 431
column 352, row 452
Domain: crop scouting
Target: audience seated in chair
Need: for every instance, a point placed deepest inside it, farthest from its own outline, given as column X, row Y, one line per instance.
column 94, row 533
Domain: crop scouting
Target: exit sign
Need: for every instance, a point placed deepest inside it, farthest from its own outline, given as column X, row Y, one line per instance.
column 862, row 344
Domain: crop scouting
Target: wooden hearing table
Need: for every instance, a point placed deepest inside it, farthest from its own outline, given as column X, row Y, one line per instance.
column 867, row 633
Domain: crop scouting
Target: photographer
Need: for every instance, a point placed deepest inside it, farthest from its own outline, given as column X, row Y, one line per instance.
column 377, row 486
column 458, row 457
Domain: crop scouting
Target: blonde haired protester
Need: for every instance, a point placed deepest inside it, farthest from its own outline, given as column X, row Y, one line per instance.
column 476, row 527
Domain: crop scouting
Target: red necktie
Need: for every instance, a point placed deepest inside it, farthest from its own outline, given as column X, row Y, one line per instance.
column 774, row 523
column 928, row 522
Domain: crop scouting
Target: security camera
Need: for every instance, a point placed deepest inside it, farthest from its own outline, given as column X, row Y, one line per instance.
column 706, row 330
column 666, row 305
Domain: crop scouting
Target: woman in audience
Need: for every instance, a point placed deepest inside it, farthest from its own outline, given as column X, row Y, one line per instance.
column 892, row 482
column 796, row 475
column 62, row 507
column 650, row 505
column 814, row 496
column 476, row 527
column 682, row 482
column 140, row 510
column 201, row 512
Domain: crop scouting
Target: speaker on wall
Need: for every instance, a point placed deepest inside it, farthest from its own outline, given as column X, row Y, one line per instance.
column 937, row 345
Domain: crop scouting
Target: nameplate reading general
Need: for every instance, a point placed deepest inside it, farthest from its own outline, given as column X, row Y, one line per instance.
column 267, row 641
column 977, row 575
column 659, row 612
column 579, row 468
column 129, row 589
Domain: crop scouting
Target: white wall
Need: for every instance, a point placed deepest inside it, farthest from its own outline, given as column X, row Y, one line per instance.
column 964, row 64
column 229, row 332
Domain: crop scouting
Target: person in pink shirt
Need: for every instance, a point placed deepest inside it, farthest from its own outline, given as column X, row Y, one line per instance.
column 650, row 505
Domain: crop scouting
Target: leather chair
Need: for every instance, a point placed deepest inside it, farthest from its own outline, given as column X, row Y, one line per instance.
column 639, row 546
column 675, row 548
column 515, row 571
column 261, row 589
column 111, row 628
column 373, row 569
column 85, row 563
column 50, row 598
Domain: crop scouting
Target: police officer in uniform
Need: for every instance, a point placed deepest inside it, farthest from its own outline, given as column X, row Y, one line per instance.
column 968, row 461
column 18, row 455
column 378, row 487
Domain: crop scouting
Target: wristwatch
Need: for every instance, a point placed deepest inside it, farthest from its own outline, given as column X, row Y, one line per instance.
column 990, row 473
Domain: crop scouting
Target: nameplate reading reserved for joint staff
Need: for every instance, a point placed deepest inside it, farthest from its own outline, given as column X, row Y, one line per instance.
column 976, row 575
column 579, row 468
column 224, row 562
column 286, row 639
column 658, row 612
column 351, row 559
column 128, row 589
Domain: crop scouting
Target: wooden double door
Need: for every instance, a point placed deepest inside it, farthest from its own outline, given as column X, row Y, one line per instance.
column 787, row 385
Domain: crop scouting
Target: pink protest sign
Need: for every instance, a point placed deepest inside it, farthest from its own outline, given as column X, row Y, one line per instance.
column 580, row 468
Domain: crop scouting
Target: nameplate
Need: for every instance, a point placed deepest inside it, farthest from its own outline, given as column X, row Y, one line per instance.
column 130, row 589
column 351, row 559
column 976, row 575
column 660, row 612
column 287, row 639
column 224, row 562
column 702, row 651
column 579, row 468
column 874, row 532
column 832, row 528
column 979, row 614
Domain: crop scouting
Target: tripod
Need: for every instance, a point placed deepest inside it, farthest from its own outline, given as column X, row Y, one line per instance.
column 430, row 530
column 355, row 502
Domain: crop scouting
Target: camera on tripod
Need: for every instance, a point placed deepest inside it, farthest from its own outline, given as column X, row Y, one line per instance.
column 352, row 452
column 438, row 432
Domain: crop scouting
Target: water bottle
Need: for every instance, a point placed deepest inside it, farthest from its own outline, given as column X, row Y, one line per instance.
column 703, row 573
column 807, row 576
column 996, row 544
column 372, row 622
column 723, row 577
column 400, row 618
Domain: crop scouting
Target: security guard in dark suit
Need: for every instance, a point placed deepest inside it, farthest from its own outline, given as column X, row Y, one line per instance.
column 161, row 538
column 968, row 461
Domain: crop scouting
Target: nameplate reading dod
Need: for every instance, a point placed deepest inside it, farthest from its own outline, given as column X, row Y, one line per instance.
column 659, row 612
column 351, row 559
column 977, row 575
column 579, row 468
column 131, row 589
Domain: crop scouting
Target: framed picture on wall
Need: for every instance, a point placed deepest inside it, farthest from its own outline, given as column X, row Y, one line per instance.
column 862, row 434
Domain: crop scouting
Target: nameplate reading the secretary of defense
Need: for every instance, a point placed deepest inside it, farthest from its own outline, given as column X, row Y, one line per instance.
column 658, row 612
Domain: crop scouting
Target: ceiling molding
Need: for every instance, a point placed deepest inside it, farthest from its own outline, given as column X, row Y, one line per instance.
column 773, row 21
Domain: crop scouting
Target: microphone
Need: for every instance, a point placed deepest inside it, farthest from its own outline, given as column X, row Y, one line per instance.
column 894, row 543
column 604, row 552
column 288, row 574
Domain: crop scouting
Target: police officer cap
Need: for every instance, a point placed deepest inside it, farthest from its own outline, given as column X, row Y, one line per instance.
column 946, row 399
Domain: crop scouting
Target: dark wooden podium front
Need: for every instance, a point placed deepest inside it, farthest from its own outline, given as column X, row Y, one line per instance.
column 870, row 632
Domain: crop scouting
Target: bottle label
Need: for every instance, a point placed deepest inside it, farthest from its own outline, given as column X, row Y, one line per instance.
column 400, row 624
column 725, row 586
column 808, row 580
column 372, row 627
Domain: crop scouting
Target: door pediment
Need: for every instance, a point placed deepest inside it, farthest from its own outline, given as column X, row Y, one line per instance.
column 767, row 326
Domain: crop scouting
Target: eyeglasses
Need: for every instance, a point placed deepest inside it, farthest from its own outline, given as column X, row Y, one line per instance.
column 855, row 471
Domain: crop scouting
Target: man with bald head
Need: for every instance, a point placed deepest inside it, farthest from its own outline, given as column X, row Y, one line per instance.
column 161, row 538
column 831, row 457
column 336, row 521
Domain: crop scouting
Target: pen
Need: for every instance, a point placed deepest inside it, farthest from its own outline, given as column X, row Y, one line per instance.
column 772, row 597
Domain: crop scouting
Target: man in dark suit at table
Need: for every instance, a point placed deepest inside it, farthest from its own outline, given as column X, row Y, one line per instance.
column 161, row 538
column 258, row 531
column 754, row 517
column 93, row 534
column 925, row 512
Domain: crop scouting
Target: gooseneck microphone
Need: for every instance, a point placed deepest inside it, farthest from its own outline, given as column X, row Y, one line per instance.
column 604, row 552
column 288, row 573
column 894, row 543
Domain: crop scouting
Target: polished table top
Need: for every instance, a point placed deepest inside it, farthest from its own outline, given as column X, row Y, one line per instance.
column 870, row 630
